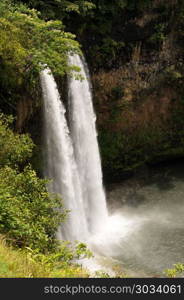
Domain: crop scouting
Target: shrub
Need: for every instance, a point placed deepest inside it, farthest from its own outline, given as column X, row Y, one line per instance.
column 29, row 216
column 14, row 148
column 28, row 263
column 177, row 271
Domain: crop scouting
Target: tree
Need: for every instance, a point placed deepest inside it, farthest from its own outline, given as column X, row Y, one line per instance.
column 29, row 215
column 29, row 44
column 15, row 149
column 60, row 8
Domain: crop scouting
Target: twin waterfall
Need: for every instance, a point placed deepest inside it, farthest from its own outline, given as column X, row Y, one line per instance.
column 72, row 157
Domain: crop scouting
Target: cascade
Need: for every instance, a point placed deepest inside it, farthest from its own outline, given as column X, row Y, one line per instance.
column 86, row 150
column 72, row 159
column 60, row 164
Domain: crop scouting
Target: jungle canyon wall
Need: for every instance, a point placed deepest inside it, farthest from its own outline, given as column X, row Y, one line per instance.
column 137, row 74
column 135, row 53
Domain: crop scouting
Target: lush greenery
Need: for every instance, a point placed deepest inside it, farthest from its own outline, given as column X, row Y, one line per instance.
column 176, row 271
column 135, row 53
column 30, row 264
column 27, row 45
column 14, row 149
column 28, row 214
column 134, row 50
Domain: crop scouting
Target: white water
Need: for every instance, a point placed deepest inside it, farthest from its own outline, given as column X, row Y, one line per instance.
column 84, row 136
column 73, row 162
column 154, row 241
column 60, row 164
column 147, row 238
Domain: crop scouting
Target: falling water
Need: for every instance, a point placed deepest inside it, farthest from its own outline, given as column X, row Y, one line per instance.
column 75, row 167
column 84, row 136
column 60, row 165
column 73, row 161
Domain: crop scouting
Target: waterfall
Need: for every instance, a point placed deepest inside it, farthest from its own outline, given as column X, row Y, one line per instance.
column 72, row 158
column 60, row 164
column 84, row 136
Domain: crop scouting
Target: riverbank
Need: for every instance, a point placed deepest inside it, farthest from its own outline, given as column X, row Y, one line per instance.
column 16, row 263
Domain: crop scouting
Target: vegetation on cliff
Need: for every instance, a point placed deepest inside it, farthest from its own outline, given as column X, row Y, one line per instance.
column 27, row 45
column 30, row 216
column 135, row 53
column 27, row 263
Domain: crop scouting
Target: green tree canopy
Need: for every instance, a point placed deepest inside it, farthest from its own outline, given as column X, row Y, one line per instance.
column 60, row 8
column 28, row 43
column 15, row 149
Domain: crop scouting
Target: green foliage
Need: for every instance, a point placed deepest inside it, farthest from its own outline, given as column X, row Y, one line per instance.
column 139, row 5
column 116, row 6
column 177, row 271
column 65, row 253
column 111, row 6
column 31, row 264
column 124, row 151
column 160, row 33
column 27, row 42
column 110, row 48
column 29, row 215
column 101, row 274
column 14, row 148
column 94, row 21
column 173, row 76
column 27, row 45
column 61, row 8
column 78, row 6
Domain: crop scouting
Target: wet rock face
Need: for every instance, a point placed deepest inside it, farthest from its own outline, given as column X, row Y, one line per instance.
column 138, row 89
column 139, row 122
